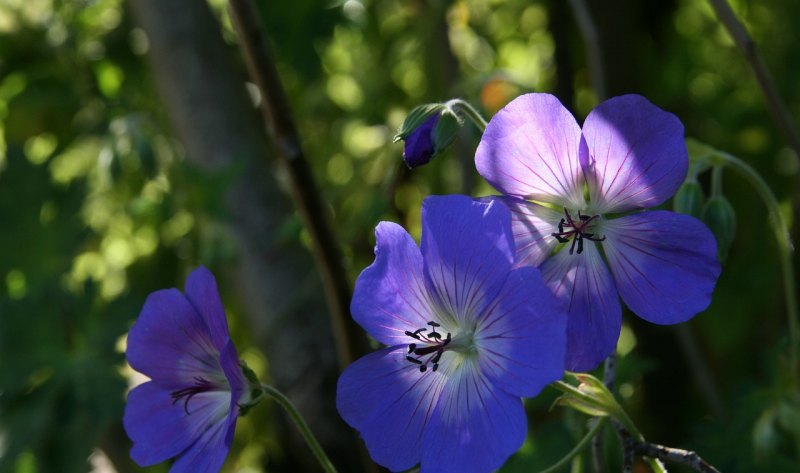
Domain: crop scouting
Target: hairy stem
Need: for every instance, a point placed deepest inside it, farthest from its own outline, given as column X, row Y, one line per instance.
column 601, row 422
column 302, row 426
column 469, row 111
column 785, row 249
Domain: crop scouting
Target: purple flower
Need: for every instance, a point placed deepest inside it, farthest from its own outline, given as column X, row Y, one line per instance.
column 629, row 155
column 419, row 147
column 189, row 408
column 467, row 336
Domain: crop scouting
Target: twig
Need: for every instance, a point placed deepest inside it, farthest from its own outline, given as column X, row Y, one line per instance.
column 674, row 455
column 591, row 42
column 633, row 447
column 283, row 134
column 778, row 110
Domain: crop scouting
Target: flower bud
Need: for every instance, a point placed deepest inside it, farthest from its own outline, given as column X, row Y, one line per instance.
column 419, row 147
column 720, row 217
column 689, row 199
column 427, row 131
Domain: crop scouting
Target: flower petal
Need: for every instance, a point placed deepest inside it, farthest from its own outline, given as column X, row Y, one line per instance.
column 467, row 250
column 532, row 225
column 170, row 341
column 389, row 401
column 633, row 154
column 522, row 339
column 419, row 147
column 160, row 428
column 594, row 315
column 229, row 361
column 475, row 426
column 665, row 264
column 201, row 290
column 530, row 150
column 208, row 453
column 390, row 296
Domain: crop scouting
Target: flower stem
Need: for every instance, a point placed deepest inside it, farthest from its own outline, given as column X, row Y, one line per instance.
column 302, row 426
column 716, row 181
column 469, row 111
column 578, row 448
column 785, row 249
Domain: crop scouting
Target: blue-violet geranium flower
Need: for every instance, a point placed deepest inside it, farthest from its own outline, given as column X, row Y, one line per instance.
column 189, row 407
column 467, row 336
column 629, row 155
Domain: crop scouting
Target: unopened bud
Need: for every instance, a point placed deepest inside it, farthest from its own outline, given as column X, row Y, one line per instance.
column 720, row 217
column 427, row 131
column 689, row 199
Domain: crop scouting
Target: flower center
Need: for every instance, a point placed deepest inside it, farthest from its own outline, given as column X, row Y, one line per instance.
column 578, row 230
column 431, row 350
column 201, row 385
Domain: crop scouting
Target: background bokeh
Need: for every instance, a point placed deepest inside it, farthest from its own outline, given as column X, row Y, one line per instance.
column 107, row 193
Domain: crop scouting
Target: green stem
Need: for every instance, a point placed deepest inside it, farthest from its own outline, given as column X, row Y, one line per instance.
column 785, row 249
column 578, row 448
column 298, row 420
column 469, row 111
column 716, row 181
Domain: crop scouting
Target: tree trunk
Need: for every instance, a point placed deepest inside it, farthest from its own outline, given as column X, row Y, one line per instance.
column 204, row 93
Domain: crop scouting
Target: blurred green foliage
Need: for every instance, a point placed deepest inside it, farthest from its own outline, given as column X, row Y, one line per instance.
column 98, row 206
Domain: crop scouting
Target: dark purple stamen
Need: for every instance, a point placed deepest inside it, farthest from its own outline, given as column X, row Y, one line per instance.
column 577, row 230
column 433, row 350
column 201, row 385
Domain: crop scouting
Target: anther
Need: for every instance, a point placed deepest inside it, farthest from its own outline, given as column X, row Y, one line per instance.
column 576, row 230
column 432, row 349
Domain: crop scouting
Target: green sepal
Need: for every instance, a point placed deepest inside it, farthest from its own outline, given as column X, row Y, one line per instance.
column 249, row 374
column 689, row 199
column 720, row 217
column 446, row 130
column 417, row 117
column 255, row 393
column 592, row 397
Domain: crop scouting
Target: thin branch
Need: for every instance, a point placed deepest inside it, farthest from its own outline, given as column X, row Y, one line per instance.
column 286, row 141
column 591, row 42
column 778, row 109
column 633, row 447
column 674, row 455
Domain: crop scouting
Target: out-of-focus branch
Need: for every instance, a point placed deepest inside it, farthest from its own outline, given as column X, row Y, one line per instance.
column 777, row 108
column 285, row 140
column 591, row 43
